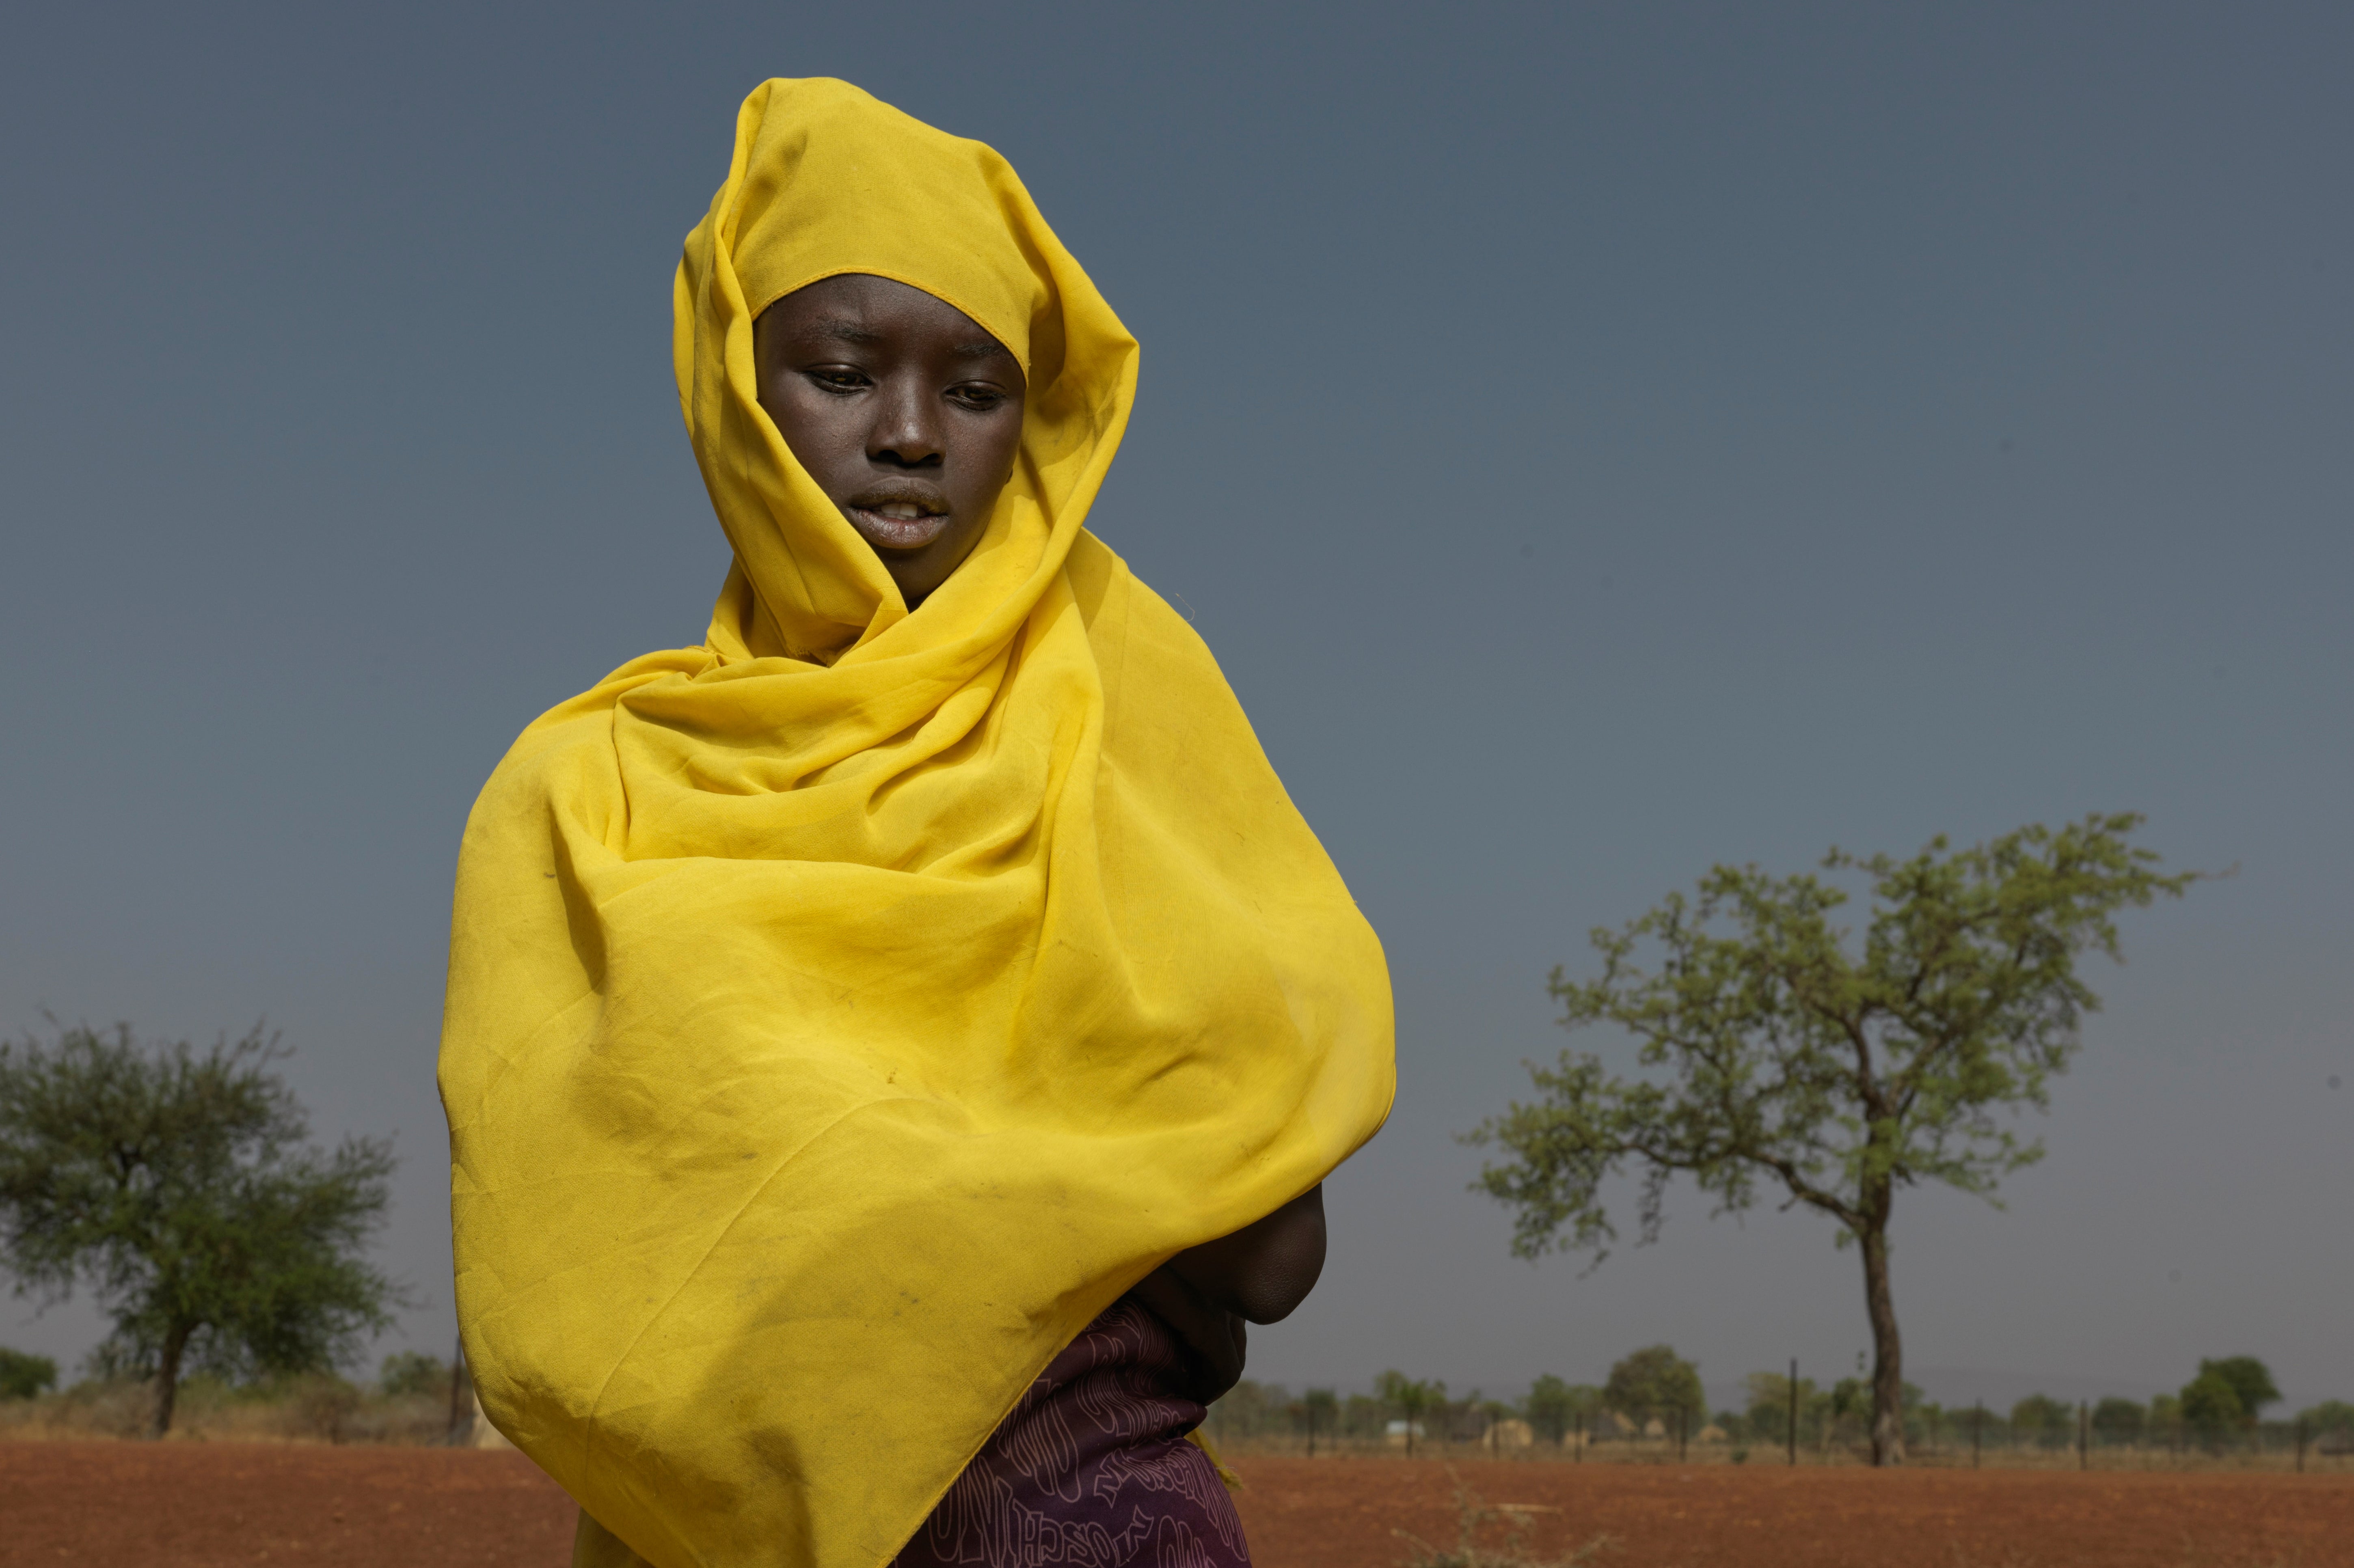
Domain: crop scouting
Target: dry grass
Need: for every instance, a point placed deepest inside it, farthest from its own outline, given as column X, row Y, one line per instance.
column 1474, row 1516
column 302, row 1410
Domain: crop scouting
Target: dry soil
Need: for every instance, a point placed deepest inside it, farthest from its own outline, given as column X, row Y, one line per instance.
column 117, row 1504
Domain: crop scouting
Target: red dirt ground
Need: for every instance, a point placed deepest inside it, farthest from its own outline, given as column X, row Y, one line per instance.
column 207, row 1505
column 114, row 1505
column 1313, row 1513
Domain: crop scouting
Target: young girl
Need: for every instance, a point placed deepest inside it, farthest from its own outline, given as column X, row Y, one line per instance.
column 892, row 1046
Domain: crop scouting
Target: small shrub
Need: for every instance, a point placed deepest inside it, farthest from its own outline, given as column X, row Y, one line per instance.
column 409, row 1418
column 312, row 1408
column 323, row 1406
column 111, row 1408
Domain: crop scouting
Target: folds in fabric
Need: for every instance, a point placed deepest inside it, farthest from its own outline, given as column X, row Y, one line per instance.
column 842, row 1012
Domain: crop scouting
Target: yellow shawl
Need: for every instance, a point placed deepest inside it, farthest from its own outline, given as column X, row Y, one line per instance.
column 842, row 1012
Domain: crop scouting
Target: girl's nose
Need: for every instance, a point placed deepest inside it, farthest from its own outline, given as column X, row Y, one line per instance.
column 907, row 432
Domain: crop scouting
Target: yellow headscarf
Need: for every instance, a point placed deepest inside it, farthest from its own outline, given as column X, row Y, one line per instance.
column 843, row 1013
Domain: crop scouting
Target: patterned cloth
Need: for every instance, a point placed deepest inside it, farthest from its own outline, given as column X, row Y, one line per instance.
column 1092, row 1468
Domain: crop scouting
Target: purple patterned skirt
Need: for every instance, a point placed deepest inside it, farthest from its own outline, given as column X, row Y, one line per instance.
column 1092, row 1468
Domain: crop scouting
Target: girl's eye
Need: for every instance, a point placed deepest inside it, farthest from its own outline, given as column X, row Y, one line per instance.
column 980, row 399
column 838, row 380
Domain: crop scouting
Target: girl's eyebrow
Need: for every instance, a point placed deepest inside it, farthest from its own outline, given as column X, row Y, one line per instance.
column 842, row 329
column 847, row 329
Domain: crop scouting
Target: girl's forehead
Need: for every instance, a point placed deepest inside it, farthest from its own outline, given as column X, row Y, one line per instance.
column 859, row 311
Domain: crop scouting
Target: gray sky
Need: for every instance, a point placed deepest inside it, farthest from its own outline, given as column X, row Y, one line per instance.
column 1597, row 443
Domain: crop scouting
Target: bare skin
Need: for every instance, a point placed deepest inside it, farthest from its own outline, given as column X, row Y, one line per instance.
column 908, row 416
column 906, row 413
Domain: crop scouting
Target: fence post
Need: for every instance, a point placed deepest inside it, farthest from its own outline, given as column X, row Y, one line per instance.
column 2083, row 1434
column 2300, row 1445
column 1684, row 1432
column 1978, row 1433
column 1577, row 1454
column 1794, row 1410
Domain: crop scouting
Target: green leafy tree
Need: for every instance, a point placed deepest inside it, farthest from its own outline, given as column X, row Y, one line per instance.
column 1552, row 1406
column 180, row 1188
column 2211, row 1406
column 1363, row 1415
column 2329, row 1415
column 24, row 1375
column 2251, row 1381
column 2119, row 1420
column 1769, row 1404
column 1850, row 1406
column 1410, row 1399
column 1320, row 1411
column 1775, row 1054
column 1493, row 1414
column 413, row 1372
column 1926, row 1415
column 1655, row 1383
column 2041, row 1419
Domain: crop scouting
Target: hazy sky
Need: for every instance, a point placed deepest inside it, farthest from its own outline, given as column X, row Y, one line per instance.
column 1597, row 443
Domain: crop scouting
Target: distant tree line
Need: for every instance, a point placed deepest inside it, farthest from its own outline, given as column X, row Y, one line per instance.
column 1654, row 1394
column 413, row 1399
column 1652, row 1390
column 2228, row 1396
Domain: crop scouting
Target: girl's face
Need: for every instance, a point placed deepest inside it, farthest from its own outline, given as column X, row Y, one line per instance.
column 905, row 412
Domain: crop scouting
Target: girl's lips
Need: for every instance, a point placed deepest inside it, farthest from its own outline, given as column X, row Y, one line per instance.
column 898, row 533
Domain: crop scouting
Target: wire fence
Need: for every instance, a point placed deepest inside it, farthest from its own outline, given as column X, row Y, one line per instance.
column 2046, row 1434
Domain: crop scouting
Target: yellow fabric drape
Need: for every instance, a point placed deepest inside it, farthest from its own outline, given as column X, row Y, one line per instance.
column 845, row 1011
